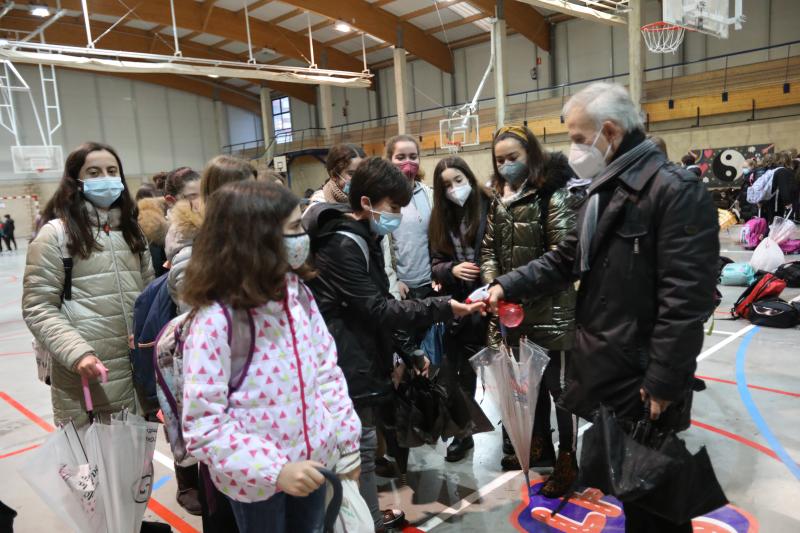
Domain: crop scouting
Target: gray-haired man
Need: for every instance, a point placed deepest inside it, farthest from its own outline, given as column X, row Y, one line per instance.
column 645, row 251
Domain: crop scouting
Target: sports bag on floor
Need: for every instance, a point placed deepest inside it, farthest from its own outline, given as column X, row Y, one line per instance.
column 737, row 275
column 752, row 232
column 168, row 362
column 774, row 314
column 766, row 287
column 790, row 273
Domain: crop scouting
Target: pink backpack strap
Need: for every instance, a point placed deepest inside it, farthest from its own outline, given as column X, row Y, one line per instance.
column 241, row 354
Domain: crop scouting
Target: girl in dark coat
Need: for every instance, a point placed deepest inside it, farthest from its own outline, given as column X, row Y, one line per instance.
column 458, row 222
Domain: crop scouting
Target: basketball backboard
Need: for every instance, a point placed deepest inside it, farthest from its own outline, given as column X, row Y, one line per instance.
column 37, row 159
column 712, row 17
column 462, row 130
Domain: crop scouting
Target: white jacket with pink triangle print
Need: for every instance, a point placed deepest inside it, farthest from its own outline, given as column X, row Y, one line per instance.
column 247, row 437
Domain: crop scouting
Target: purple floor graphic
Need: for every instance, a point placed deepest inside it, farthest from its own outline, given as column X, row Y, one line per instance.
column 591, row 511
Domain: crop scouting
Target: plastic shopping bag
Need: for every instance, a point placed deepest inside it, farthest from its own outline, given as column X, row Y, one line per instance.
column 782, row 229
column 354, row 515
column 767, row 256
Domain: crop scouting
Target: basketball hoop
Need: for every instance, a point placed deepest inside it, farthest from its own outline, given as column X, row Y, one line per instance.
column 662, row 37
column 453, row 147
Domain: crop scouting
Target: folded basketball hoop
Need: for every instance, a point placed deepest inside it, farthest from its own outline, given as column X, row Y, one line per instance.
column 662, row 37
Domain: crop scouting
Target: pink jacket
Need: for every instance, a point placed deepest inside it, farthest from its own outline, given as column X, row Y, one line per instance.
column 292, row 405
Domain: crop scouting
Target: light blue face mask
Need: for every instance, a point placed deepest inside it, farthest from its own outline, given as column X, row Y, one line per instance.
column 387, row 222
column 103, row 192
column 346, row 188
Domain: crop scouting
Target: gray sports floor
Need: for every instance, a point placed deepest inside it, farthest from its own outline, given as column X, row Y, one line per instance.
column 749, row 418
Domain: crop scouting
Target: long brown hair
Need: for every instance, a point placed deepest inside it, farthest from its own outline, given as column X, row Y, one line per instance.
column 238, row 257
column 536, row 156
column 69, row 205
column 446, row 217
column 224, row 169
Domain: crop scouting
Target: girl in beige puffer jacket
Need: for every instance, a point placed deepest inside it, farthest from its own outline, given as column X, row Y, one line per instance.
column 94, row 216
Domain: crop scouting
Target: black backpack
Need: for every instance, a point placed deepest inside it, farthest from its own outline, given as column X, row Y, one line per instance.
column 790, row 273
column 774, row 314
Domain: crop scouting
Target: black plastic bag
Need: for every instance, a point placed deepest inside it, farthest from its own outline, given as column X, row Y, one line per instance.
column 639, row 462
column 615, row 463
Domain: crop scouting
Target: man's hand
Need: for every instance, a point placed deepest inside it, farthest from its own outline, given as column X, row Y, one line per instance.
column 301, row 478
column 496, row 294
column 462, row 310
column 466, row 271
column 89, row 366
column 402, row 288
column 656, row 406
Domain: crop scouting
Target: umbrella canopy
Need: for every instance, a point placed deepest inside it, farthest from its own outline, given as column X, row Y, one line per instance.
column 512, row 377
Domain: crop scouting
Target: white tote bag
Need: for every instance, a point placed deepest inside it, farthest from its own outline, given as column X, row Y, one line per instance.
column 354, row 515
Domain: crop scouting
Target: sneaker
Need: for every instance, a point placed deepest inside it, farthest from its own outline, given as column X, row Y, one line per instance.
column 563, row 476
column 458, row 449
column 393, row 518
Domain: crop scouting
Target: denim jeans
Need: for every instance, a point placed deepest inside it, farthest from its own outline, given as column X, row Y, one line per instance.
column 282, row 514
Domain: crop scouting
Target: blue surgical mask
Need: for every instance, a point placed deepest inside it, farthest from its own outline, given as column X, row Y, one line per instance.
column 103, row 192
column 387, row 222
column 514, row 172
column 346, row 188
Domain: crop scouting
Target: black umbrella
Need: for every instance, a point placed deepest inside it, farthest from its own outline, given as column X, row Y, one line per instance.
column 428, row 408
column 648, row 466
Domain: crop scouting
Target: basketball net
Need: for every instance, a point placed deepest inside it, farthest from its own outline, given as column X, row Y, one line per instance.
column 662, row 37
column 453, row 147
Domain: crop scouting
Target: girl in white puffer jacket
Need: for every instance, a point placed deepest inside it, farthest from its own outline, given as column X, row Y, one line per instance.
column 291, row 414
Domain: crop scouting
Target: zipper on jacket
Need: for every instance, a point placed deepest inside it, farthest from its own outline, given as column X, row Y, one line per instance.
column 299, row 373
column 636, row 246
column 119, row 286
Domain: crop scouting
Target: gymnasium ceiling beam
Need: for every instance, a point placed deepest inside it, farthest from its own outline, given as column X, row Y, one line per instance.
column 522, row 18
column 367, row 18
column 576, row 10
column 223, row 23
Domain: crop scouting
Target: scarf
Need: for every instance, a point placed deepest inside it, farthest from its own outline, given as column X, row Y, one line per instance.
column 333, row 194
column 615, row 168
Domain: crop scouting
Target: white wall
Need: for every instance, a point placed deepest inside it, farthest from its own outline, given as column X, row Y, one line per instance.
column 153, row 128
column 583, row 50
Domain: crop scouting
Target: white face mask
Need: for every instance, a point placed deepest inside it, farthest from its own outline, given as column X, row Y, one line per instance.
column 297, row 247
column 586, row 159
column 458, row 194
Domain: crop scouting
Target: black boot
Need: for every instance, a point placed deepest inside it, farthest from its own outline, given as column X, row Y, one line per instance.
column 508, row 448
column 188, row 482
column 458, row 449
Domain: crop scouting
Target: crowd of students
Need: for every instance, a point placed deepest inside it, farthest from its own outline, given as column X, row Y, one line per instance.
column 339, row 297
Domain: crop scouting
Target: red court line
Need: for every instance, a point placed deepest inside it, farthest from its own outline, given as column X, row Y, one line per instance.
column 171, row 518
column 737, row 438
column 757, row 387
column 21, row 450
column 10, row 354
column 30, row 415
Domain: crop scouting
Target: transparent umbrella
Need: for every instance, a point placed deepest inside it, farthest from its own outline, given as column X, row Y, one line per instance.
column 512, row 376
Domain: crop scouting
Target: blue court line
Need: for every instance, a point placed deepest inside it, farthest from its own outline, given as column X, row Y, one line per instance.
column 158, row 484
column 755, row 415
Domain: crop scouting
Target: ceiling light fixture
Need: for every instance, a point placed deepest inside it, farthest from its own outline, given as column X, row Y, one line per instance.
column 213, row 76
column 342, row 26
column 40, row 11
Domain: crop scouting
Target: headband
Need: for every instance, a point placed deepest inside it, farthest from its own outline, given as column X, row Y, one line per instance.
column 517, row 131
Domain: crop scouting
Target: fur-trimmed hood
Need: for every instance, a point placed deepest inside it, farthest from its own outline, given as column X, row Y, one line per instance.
column 185, row 224
column 153, row 219
column 557, row 172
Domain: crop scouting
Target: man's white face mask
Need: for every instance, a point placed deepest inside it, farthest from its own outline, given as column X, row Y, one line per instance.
column 586, row 159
